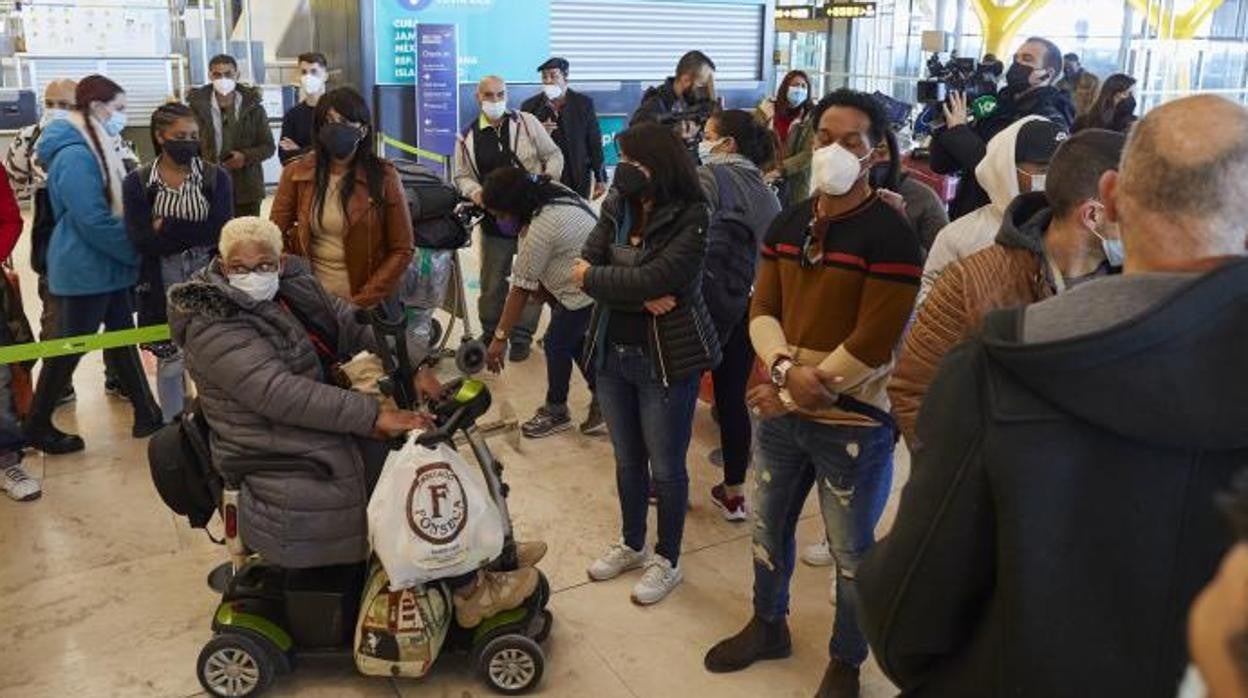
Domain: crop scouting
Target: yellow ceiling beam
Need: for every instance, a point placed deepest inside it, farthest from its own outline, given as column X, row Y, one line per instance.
column 1001, row 22
column 1176, row 25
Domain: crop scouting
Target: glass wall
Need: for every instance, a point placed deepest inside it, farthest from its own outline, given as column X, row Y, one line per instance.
column 886, row 53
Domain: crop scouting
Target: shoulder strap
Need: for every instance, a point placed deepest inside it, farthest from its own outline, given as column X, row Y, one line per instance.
column 208, row 184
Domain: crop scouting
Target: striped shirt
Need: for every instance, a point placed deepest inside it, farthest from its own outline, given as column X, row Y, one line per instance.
column 547, row 251
column 187, row 202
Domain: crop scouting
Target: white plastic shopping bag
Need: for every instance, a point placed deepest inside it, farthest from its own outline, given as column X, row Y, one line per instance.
column 432, row 516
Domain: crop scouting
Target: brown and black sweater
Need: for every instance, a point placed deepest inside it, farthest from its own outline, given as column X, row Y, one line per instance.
column 846, row 312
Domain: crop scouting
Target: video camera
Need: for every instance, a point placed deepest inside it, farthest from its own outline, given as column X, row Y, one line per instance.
column 699, row 113
column 964, row 75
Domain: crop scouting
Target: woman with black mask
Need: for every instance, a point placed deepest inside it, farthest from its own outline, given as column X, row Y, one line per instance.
column 650, row 339
column 735, row 150
column 175, row 209
column 343, row 208
column 1114, row 108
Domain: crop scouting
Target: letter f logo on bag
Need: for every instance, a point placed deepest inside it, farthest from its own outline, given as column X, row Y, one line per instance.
column 437, row 506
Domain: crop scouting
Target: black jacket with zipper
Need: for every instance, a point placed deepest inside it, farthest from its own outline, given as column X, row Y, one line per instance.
column 1060, row 518
column 683, row 342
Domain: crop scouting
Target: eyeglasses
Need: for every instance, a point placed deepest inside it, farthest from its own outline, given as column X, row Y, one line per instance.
column 812, row 249
column 261, row 268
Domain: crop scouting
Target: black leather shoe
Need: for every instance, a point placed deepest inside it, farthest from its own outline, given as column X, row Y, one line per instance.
column 146, row 428
column 55, row 442
column 839, row 681
column 519, row 352
column 759, row 640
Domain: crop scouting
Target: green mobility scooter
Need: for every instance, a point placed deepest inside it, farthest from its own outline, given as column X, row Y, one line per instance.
column 271, row 617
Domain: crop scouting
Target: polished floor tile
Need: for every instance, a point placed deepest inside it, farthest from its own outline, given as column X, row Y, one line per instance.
column 102, row 589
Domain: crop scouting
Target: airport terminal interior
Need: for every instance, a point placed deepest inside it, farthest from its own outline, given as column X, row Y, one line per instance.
column 374, row 248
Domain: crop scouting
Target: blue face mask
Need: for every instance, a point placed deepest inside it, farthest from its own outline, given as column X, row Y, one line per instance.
column 1113, row 252
column 115, row 123
column 797, row 95
column 51, row 115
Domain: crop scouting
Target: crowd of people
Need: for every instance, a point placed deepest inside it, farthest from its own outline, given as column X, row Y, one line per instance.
column 1057, row 347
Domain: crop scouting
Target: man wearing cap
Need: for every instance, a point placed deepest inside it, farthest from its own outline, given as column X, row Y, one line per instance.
column 1017, row 161
column 570, row 119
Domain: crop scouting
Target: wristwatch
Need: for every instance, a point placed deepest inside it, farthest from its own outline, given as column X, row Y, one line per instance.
column 780, row 370
column 500, row 335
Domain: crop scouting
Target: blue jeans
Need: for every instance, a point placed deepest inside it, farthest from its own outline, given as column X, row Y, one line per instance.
column 853, row 467
column 564, row 346
column 650, row 429
column 170, row 364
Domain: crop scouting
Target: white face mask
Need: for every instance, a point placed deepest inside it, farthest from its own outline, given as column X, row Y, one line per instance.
column 706, row 149
column 552, row 91
column 835, row 170
column 224, row 86
column 494, row 110
column 312, row 84
column 1037, row 182
column 261, row 286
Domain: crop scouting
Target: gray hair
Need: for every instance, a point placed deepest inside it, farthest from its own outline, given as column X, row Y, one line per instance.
column 250, row 229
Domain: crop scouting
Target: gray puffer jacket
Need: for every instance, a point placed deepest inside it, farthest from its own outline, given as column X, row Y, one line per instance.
column 262, row 390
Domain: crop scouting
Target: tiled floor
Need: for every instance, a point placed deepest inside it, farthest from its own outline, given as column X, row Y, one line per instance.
column 102, row 590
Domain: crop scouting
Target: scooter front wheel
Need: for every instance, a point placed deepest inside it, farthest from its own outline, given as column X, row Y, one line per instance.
column 470, row 359
column 512, row 664
column 233, row 665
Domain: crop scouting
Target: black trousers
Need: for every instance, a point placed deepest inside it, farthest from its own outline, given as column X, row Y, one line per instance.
column 730, row 378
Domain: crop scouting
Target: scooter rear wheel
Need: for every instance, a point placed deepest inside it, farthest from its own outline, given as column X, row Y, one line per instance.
column 511, row 664
column 234, row 665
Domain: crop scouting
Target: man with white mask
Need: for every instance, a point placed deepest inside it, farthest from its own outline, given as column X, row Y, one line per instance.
column 234, row 131
column 570, row 119
column 502, row 137
column 835, row 288
column 297, row 123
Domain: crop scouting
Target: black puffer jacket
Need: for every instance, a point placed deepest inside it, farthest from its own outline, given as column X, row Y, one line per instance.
column 683, row 342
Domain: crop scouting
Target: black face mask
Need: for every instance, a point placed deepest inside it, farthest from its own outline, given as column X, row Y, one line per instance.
column 1125, row 108
column 339, row 139
column 1019, row 76
column 181, row 152
column 631, row 182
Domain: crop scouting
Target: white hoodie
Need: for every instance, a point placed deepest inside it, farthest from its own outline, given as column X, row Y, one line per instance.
column 997, row 174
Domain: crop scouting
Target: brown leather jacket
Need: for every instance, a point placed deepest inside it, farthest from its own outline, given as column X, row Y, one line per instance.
column 379, row 236
column 997, row 277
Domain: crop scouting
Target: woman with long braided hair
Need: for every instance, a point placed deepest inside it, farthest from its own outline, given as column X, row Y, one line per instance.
column 92, row 266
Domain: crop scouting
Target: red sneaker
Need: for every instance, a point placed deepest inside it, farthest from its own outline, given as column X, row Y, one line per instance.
column 733, row 508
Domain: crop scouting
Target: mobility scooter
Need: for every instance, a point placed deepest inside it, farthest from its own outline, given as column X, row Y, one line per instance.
column 269, row 616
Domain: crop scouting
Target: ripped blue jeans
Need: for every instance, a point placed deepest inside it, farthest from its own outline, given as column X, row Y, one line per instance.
column 853, row 468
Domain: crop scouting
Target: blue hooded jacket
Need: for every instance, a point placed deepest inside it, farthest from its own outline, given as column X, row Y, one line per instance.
column 90, row 252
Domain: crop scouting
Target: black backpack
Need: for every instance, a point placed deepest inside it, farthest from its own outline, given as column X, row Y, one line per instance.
column 182, row 471
column 731, row 260
column 431, row 202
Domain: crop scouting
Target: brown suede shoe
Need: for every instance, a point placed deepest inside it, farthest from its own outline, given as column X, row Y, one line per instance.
column 529, row 553
column 493, row 593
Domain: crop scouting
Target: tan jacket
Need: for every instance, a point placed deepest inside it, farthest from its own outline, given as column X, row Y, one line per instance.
column 997, row 277
column 1083, row 90
column 378, row 242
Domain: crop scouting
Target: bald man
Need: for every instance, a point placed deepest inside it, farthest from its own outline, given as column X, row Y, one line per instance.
column 25, row 174
column 1060, row 517
column 502, row 137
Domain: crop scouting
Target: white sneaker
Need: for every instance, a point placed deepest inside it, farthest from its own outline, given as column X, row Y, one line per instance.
column 618, row 559
column 658, row 581
column 818, row 555
column 19, row 485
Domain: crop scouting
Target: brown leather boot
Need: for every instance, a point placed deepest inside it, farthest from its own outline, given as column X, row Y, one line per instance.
column 839, row 681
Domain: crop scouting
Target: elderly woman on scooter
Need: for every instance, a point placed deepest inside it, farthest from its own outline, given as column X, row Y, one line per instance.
column 264, row 341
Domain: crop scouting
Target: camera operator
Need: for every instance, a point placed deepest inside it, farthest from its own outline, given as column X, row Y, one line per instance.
column 684, row 101
column 1030, row 89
